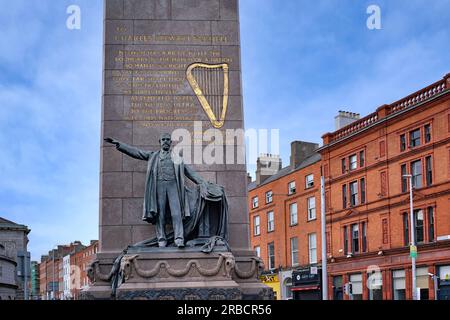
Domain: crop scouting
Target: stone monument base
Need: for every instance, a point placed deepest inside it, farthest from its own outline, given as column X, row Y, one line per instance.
column 178, row 275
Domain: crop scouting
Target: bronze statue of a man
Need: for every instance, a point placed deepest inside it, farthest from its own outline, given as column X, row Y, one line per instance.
column 165, row 194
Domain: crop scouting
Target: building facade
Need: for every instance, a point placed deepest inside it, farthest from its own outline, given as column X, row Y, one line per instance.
column 285, row 219
column 366, row 164
column 35, row 281
column 80, row 262
column 8, row 284
column 63, row 272
column 51, row 271
column 15, row 271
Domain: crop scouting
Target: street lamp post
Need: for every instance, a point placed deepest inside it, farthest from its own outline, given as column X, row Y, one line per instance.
column 324, row 239
column 413, row 236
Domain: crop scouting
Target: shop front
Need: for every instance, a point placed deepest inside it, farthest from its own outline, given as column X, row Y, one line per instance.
column 306, row 284
column 444, row 283
column 272, row 281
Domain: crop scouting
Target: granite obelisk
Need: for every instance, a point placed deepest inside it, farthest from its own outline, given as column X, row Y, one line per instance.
column 172, row 65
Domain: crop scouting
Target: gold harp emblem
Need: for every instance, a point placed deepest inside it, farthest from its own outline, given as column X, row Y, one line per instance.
column 210, row 84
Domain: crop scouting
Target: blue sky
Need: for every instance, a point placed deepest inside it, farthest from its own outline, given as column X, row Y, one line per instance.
column 303, row 61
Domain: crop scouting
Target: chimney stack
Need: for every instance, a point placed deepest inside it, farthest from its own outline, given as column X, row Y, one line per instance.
column 300, row 150
column 266, row 166
column 344, row 118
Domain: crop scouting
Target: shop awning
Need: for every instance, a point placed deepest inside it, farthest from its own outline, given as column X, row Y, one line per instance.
column 310, row 288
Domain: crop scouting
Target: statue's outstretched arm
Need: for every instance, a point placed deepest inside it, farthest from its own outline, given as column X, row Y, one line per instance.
column 130, row 150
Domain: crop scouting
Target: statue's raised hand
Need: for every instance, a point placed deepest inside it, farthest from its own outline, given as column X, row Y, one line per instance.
column 112, row 141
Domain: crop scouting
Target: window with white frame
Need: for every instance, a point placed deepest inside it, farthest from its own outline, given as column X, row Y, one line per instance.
column 269, row 197
column 309, row 181
column 255, row 202
column 293, row 213
column 353, row 160
column 294, row 251
column 312, row 245
column 270, row 221
column 256, row 225
column 354, row 201
column 311, row 208
column 291, row 187
column 271, row 255
column 357, row 286
column 258, row 251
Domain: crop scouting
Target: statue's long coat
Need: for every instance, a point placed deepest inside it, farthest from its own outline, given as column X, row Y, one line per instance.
column 181, row 171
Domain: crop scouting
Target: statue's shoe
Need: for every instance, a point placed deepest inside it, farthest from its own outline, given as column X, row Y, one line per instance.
column 162, row 244
column 179, row 243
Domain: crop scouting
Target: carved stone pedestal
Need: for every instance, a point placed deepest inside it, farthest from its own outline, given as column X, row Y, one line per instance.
column 178, row 275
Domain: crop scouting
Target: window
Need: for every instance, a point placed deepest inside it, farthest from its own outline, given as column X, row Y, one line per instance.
column 353, row 162
column 344, row 166
column 363, row 190
column 309, row 181
column 344, row 196
column 293, row 214
column 399, row 284
column 429, row 173
column 294, row 251
column 312, row 245
column 357, row 287
column 427, row 133
column 375, row 279
column 354, row 194
column 402, row 142
column 416, row 171
column 256, row 225
column 422, row 282
column 414, row 138
column 255, row 202
column 338, row 288
column 271, row 254
column 311, row 208
column 361, row 159
column 355, row 238
column 258, row 251
column 405, row 229
column 345, row 240
column 269, row 197
column 430, row 224
column 291, row 188
column 270, row 221
column 404, row 179
column 419, row 225
column 364, row 237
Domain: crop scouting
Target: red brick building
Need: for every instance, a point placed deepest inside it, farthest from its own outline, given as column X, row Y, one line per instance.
column 368, row 198
column 80, row 262
column 285, row 216
column 367, row 203
column 59, row 281
column 51, row 271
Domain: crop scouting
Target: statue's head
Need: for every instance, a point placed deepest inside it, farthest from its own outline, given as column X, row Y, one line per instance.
column 165, row 141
